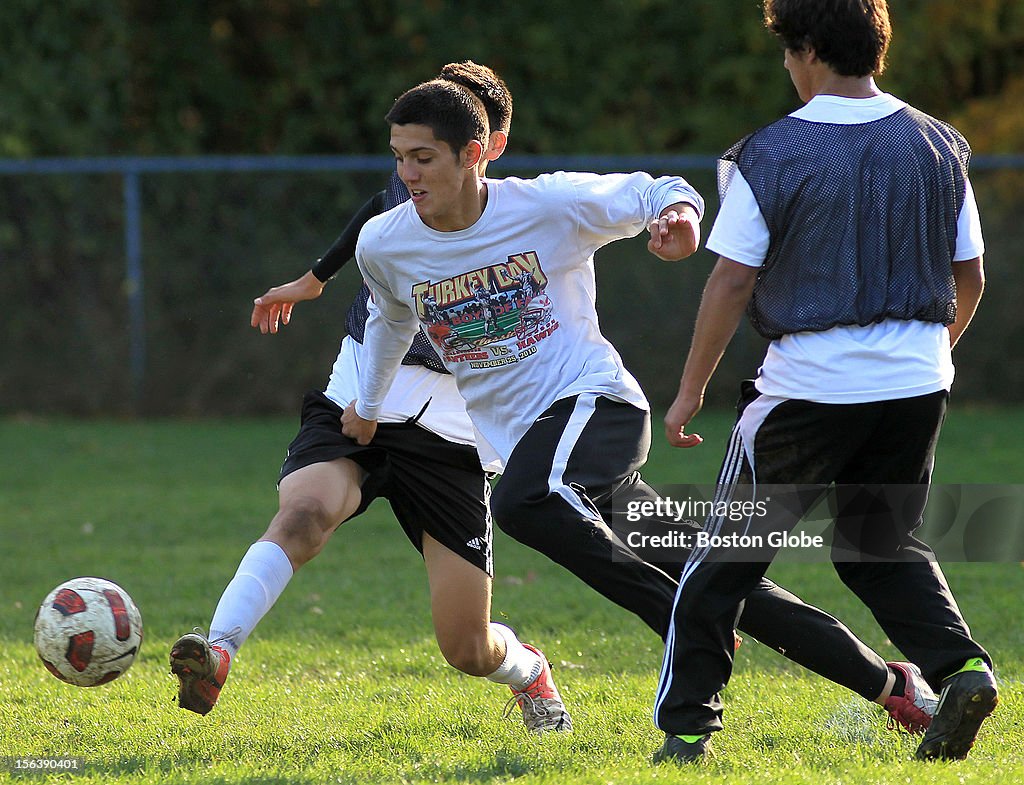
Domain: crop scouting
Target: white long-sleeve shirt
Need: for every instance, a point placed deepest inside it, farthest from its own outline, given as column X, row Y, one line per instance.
column 509, row 301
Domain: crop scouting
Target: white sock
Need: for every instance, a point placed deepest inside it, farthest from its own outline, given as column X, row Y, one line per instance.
column 520, row 666
column 261, row 577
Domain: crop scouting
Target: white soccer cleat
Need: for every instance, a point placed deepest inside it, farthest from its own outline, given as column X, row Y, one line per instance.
column 915, row 708
column 542, row 707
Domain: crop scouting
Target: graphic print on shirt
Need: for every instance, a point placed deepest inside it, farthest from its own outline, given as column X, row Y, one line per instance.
column 488, row 317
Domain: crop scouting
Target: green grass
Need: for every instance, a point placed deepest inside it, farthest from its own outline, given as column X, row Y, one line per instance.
column 342, row 682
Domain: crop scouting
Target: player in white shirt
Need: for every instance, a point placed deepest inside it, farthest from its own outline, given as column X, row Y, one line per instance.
column 850, row 235
column 424, row 463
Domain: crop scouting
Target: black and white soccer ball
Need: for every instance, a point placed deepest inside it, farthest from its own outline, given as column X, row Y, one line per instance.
column 88, row 631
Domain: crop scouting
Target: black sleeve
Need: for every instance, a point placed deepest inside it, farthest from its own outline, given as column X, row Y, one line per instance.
column 344, row 248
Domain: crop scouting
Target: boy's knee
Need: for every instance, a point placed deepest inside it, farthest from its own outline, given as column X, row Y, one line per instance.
column 301, row 528
column 504, row 506
column 513, row 515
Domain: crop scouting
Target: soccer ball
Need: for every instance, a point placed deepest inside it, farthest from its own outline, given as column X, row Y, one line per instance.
column 88, row 631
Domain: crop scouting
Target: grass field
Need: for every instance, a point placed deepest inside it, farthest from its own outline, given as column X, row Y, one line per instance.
column 343, row 683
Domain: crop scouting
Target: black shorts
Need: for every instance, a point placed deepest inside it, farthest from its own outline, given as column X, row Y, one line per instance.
column 433, row 485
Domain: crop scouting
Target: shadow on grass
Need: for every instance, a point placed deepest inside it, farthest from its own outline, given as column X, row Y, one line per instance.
column 501, row 768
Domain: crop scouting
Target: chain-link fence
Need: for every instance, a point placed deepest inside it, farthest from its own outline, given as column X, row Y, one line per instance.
column 128, row 283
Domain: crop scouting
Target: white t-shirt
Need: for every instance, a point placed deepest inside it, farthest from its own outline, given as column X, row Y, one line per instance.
column 846, row 364
column 416, row 391
column 509, row 302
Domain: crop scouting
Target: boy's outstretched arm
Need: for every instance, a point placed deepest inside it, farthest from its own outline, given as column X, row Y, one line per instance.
column 273, row 309
column 725, row 298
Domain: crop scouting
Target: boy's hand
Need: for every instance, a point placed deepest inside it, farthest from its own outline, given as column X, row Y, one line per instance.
column 676, row 233
column 275, row 307
column 355, row 427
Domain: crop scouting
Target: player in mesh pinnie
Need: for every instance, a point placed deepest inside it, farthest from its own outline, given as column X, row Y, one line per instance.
column 554, row 408
column 423, row 462
column 849, row 233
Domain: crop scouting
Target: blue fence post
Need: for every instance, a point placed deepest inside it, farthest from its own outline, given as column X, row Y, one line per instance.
column 134, row 287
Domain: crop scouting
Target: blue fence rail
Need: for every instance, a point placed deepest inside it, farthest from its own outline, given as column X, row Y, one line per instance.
column 132, row 168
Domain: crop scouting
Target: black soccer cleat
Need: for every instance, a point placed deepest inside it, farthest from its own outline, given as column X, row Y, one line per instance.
column 967, row 698
column 677, row 750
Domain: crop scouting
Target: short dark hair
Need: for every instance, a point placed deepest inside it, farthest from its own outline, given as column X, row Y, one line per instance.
column 452, row 112
column 850, row 36
column 485, row 85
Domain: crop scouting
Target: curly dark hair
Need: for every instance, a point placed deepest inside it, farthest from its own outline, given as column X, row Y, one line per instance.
column 851, row 36
column 485, row 85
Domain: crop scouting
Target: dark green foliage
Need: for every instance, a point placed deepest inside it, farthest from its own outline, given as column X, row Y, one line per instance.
column 120, row 77
column 278, row 76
